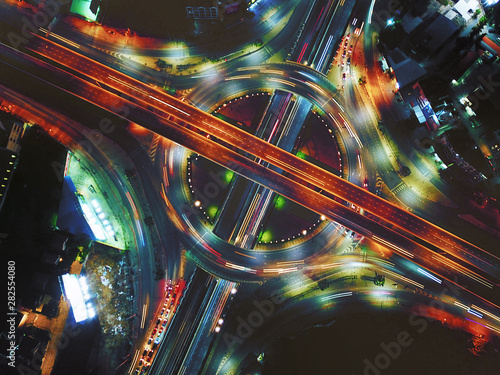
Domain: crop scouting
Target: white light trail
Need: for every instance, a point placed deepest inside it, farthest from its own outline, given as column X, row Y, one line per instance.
column 174, row 107
column 335, row 296
column 61, row 38
column 429, row 275
column 143, row 319
column 392, row 246
column 486, row 312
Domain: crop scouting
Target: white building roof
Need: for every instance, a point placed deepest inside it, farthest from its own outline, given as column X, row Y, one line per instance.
column 465, row 6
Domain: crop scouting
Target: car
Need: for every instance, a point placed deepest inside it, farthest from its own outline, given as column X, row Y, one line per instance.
column 357, row 31
column 154, row 332
column 343, row 76
column 348, row 61
column 350, row 49
column 158, row 322
column 145, row 352
column 365, row 183
column 150, row 341
column 164, row 322
column 343, row 54
column 162, row 311
column 348, row 35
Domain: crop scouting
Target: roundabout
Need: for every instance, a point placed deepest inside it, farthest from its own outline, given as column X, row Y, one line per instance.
column 289, row 232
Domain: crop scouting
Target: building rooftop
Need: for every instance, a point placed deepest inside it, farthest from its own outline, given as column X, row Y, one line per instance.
column 436, row 33
column 409, row 22
column 405, row 69
column 466, row 8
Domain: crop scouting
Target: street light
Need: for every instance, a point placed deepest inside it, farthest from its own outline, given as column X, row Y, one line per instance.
column 390, row 22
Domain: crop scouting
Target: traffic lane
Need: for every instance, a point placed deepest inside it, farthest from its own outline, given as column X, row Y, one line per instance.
column 201, row 116
column 235, row 130
column 292, row 187
column 338, row 23
column 336, row 212
column 181, row 330
column 88, row 90
column 402, row 222
column 309, row 30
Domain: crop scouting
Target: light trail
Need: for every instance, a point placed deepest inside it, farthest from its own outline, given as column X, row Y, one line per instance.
column 468, row 309
column 462, row 270
column 404, row 279
column 170, row 105
column 392, row 246
column 143, row 318
column 237, row 77
column 485, row 312
column 429, row 275
column 323, row 55
column 335, row 296
column 127, row 85
column 61, row 38
column 245, row 255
